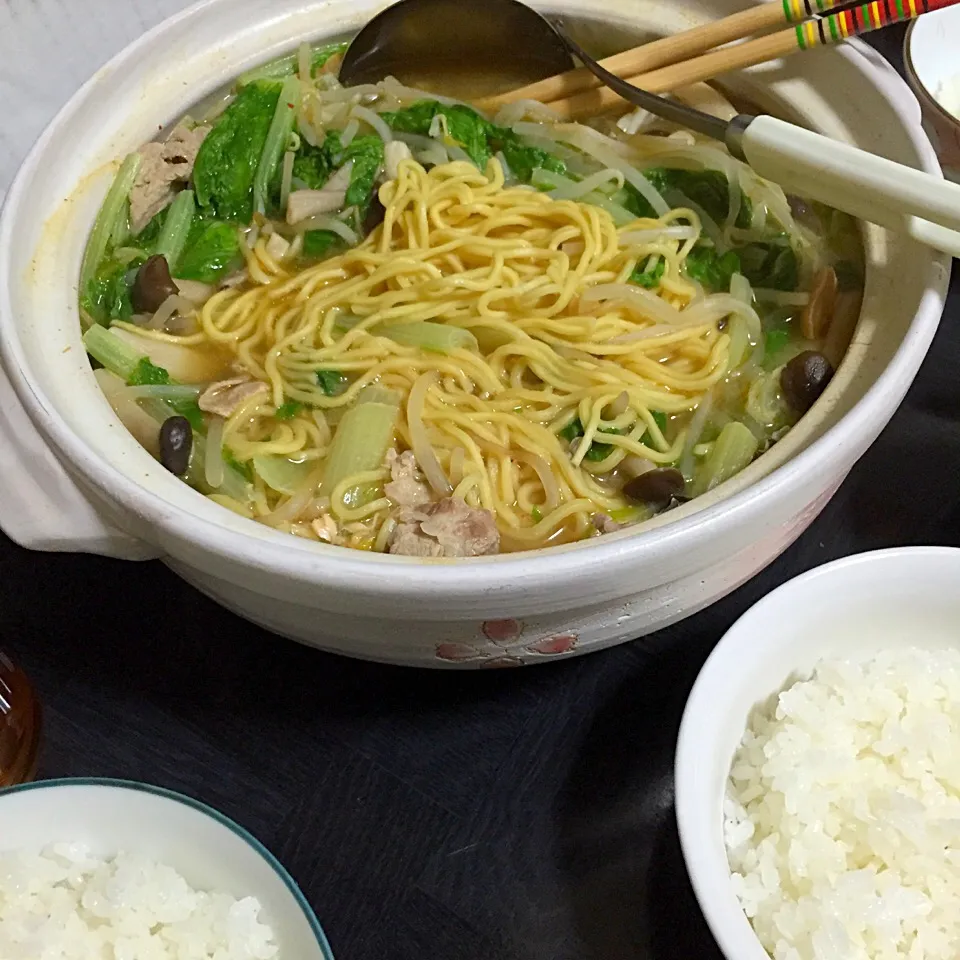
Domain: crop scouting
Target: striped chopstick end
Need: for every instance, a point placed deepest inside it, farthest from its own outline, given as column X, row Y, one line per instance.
column 860, row 19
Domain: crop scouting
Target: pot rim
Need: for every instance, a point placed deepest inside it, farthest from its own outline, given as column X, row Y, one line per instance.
column 506, row 574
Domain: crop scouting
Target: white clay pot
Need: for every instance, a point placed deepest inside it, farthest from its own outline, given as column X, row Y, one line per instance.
column 75, row 480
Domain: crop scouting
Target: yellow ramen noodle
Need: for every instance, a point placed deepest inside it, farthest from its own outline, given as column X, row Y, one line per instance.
column 508, row 267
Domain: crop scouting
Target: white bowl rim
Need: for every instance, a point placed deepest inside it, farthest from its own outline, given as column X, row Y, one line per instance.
column 395, row 576
column 711, row 880
column 137, row 786
column 920, row 86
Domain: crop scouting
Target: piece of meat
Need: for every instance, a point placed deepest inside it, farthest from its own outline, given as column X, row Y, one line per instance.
column 393, row 153
column 302, row 204
column 447, row 528
column 224, row 396
column 407, row 541
column 406, row 488
column 162, row 165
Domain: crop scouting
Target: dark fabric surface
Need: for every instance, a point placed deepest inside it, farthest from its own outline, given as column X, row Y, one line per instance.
column 499, row 815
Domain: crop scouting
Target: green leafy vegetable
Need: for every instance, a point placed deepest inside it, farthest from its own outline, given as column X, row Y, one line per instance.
column 465, row 127
column 634, row 201
column 148, row 236
column 228, row 159
column 331, row 382
column 413, row 119
column 243, row 468
column 312, row 166
column 572, row 430
column 709, row 189
column 600, row 451
column 775, row 342
column 190, row 410
column 660, row 419
column 288, row 410
column 704, row 265
column 648, row 277
column 479, row 138
column 320, row 243
column 146, row 373
column 212, row 249
column 285, row 66
column 770, row 265
column 522, row 158
column 106, row 296
column 366, row 153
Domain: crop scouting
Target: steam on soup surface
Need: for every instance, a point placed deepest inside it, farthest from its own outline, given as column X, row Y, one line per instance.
column 373, row 317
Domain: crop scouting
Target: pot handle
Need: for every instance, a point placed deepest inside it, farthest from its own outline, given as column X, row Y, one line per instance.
column 41, row 508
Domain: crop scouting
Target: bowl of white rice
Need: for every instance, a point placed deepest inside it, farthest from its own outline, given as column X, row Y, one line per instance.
column 818, row 766
column 93, row 868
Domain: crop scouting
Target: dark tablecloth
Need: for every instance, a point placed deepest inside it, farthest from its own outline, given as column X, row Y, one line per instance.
column 499, row 815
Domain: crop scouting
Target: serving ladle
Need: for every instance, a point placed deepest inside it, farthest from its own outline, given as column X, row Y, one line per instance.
column 418, row 40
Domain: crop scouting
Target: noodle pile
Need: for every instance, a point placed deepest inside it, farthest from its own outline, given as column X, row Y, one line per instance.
column 551, row 332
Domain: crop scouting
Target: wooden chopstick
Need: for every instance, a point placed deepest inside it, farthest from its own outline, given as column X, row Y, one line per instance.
column 710, row 65
column 668, row 50
column 591, row 99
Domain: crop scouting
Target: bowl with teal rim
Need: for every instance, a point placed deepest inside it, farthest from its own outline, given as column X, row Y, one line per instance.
column 208, row 849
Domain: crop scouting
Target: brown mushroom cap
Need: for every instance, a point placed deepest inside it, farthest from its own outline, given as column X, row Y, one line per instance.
column 657, row 487
column 152, row 285
column 804, row 378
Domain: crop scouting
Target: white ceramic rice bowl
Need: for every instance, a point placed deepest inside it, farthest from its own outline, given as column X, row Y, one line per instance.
column 210, row 851
column 76, row 480
column 886, row 599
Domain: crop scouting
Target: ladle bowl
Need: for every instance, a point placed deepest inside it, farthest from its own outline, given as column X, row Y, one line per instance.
column 471, row 49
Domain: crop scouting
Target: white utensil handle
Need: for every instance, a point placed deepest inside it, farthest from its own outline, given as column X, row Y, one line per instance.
column 859, row 183
column 41, row 507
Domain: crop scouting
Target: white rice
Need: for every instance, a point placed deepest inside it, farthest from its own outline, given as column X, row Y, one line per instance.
column 842, row 819
column 67, row 904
